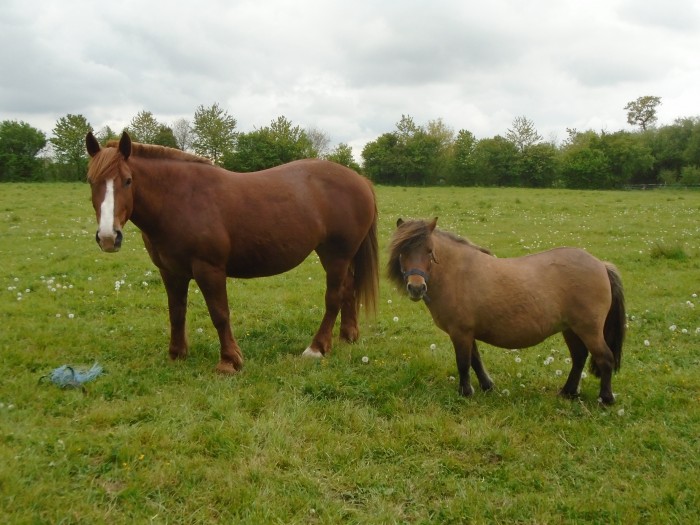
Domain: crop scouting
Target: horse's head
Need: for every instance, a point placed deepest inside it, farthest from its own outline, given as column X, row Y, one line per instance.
column 112, row 197
column 412, row 256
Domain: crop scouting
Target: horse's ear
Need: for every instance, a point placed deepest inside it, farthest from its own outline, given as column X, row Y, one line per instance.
column 125, row 145
column 399, row 222
column 432, row 224
column 91, row 144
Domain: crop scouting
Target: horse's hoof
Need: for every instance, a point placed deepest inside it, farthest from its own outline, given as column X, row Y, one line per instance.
column 312, row 353
column 350, row 335
column 226, row 368
column 606, row 401
column 466, row 392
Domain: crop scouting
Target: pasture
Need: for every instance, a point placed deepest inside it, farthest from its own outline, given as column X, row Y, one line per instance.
column 341, row 440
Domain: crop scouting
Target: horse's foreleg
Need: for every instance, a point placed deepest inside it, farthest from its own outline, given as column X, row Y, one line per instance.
column 485, row 381
column 349, row 330
column 463, row 352
column 212, row 282
column 176, row 288
column 579, row 353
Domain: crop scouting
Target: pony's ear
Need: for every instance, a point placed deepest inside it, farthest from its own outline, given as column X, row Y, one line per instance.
column 125, row 145
column 399, row 222
column 91, row 144
column 431, row 225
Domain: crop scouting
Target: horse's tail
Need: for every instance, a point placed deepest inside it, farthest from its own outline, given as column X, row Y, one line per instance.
column 615, row 322
column 366, row 269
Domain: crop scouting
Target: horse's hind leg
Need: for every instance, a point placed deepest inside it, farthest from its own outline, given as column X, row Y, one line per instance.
column 579, row 353
column 336, row 273
column 349, row 330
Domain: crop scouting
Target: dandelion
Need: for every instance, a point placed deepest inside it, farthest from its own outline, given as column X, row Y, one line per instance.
column 365, row 359
column 690, row 304
column 505, row 392
column 621, row 412
column 584, row 375
column 548, row 361
column 71, row 316
column 646, row 342
column 433, row 346
column 451, row 378
column 558, row 372
column 58, row 315
column 396, row 319
column 200, row 330
column 684, row 331
column 673, row 328
column 389, row 301
column 517, row 359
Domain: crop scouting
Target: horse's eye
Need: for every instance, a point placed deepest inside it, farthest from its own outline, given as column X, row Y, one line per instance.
column 127, row 182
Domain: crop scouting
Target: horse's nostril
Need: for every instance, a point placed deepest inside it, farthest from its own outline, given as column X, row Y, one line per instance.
column 97, row 236
column 119, row 238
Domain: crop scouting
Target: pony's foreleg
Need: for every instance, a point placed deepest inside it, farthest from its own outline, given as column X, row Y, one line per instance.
column 212, row 283
column 463, row 345
column 485, row 381
column 176, row 288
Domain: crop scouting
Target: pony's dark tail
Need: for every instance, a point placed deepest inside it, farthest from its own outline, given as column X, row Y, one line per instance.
column 615, row 322
column 366, row 270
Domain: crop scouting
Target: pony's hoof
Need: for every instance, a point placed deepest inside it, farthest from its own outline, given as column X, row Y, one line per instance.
column 350, row 335
column 226, row 368
column 568, row 395
column 176, row 355
column 312, row 353
column 466, row 392
column 606, row 400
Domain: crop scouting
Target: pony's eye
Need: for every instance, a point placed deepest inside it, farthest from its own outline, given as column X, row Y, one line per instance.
column 127, row 182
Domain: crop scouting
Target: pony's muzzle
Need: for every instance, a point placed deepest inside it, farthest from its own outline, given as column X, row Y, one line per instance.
column 110, row 242
column 416, row 290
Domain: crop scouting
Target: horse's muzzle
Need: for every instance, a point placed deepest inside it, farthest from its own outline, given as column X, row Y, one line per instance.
column 110, row 243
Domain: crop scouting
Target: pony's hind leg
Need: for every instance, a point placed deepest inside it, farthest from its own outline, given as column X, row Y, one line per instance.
column 602, row 363
column 579, row 353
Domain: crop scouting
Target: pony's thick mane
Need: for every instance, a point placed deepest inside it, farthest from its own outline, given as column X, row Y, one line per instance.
column 413, row 234
column 107, row 161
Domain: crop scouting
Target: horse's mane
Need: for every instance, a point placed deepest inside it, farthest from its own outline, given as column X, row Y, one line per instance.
column 108, row 159
column 412, row 234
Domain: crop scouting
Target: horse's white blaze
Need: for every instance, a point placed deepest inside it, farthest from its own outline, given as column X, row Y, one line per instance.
column 107, row 211
column 310, row 352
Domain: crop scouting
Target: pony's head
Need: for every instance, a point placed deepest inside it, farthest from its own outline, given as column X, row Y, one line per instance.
column 112, row 196
column 412, row 256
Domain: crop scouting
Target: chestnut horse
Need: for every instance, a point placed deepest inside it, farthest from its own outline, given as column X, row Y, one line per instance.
column 201, row 222
column 513, row 303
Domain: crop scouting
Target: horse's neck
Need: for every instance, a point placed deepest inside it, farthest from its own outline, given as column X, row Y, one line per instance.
column 452, row 258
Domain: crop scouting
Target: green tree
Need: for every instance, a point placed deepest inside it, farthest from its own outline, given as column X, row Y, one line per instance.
column 496, row 162
column 20, row 144
column 629, row 157
column 106, row 134
column 583, row 163
column 537, row 165
column 462, row 161
column 165, row 137
column 342, row 154
column 144, row 128
column 380, row 160
column 68, row 142
column 523, row 133
column 642, row 112
column 273, row 145
column 182, row 131
column 214, row 133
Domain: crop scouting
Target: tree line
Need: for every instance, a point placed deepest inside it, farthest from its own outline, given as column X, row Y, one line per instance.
column 411, row 154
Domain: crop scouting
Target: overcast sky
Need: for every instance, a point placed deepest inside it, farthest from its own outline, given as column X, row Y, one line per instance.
column 351, row 68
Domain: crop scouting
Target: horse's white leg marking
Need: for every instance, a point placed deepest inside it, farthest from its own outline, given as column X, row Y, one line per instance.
column 107, row 211
column 310, row 352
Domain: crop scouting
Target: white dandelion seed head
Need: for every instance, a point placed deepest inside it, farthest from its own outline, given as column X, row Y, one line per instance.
column 558, row 372
column 389, row 301
column 646, row 342
column 433, row 346
column 396, row 319
column 365, row 359
column 505, row 392
column 451, row 378
column 584, row 375
column 673, row 328
column 621, row 412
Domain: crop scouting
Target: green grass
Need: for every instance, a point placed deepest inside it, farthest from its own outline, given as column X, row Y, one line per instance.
column 290, row 440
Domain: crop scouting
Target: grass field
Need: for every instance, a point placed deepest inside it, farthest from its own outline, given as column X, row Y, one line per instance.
column 290, row 440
